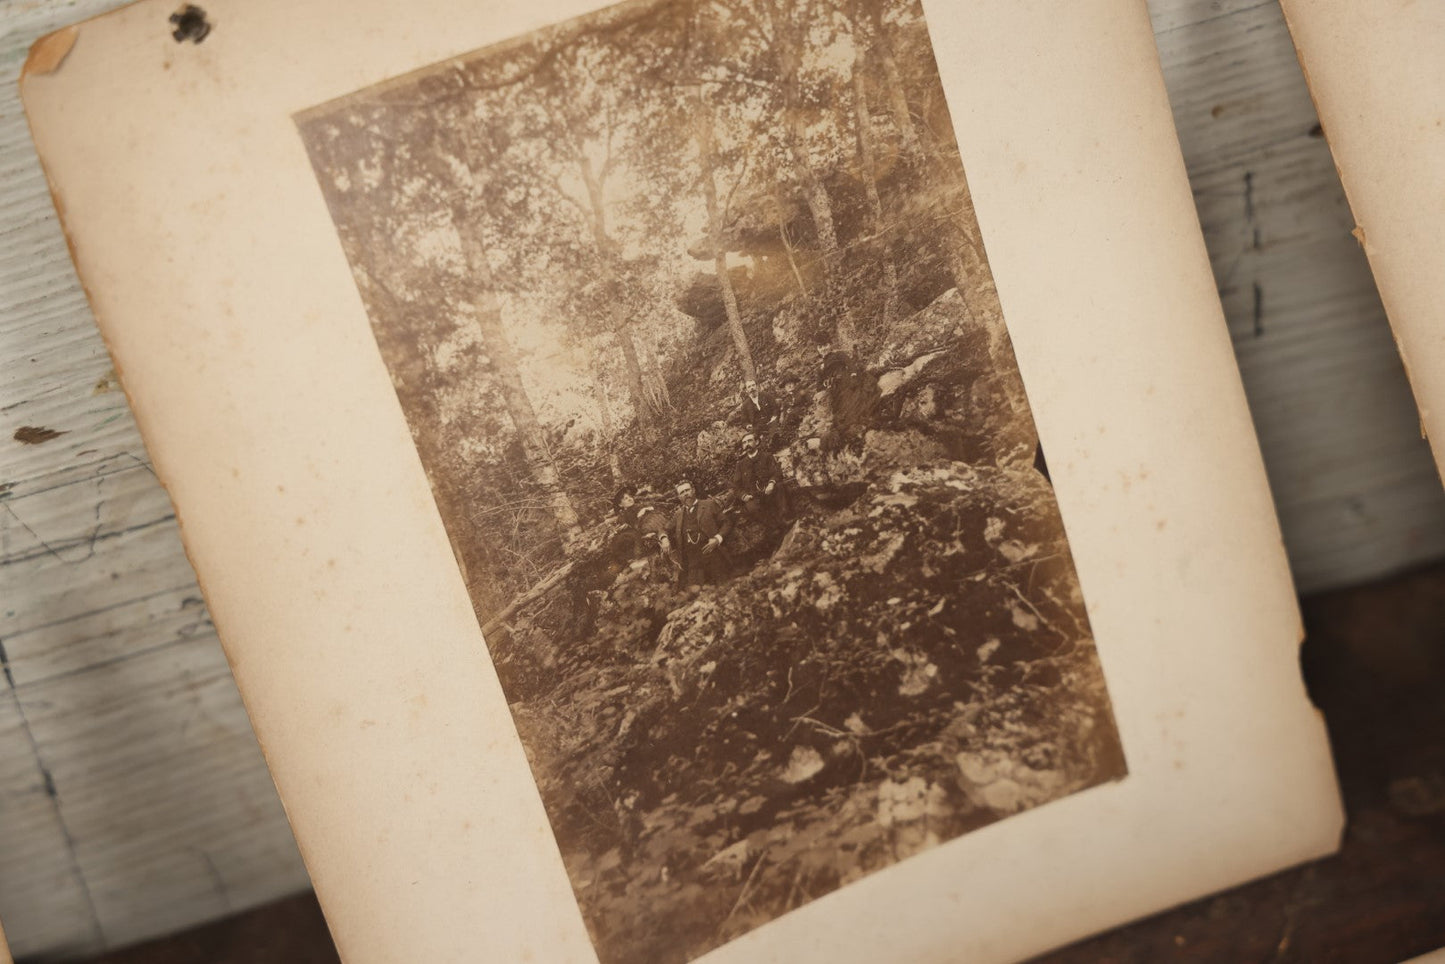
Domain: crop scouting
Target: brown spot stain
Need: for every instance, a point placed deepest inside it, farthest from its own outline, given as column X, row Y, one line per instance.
column 1240, row 106
column 35, row 434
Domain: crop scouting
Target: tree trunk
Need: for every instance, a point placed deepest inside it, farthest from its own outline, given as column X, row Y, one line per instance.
column 908, row 139
column 652, row 365
column 868, row 164
column 966, row 255
column 509, row 377
column 531, row 595
column 820, row 205
column 702, row 118
column 969, row 240
column 966, row 258
column 646, row 416
column 788, row 57
column 609, row 434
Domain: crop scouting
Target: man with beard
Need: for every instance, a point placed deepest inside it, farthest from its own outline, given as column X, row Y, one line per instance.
column 698, row 531
column 759, row 410
column 758, row 482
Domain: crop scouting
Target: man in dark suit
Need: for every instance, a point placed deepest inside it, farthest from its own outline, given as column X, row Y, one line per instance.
column 758, row 482
column 759, row 410
column 698, row 531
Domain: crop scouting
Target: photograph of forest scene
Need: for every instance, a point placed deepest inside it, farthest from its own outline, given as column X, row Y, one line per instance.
column 690, row 317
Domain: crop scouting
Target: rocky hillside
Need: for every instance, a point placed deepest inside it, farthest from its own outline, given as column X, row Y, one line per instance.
column 910, row 662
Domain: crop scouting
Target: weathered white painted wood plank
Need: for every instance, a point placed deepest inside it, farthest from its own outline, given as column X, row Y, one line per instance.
column 43, row 893
column 166, row 800
column 1357, row 491
column 132, row 797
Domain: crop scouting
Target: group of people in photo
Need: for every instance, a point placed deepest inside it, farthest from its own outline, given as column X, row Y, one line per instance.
column 693, row 542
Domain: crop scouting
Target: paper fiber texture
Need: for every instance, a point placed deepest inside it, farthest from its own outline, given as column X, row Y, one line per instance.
column 217, row 275
column 1376, row 72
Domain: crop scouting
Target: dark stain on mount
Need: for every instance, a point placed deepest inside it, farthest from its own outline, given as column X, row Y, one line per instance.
column 35, row 434
column 190, row 24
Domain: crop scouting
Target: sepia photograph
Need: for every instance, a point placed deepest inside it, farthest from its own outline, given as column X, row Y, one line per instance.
column 691, row 320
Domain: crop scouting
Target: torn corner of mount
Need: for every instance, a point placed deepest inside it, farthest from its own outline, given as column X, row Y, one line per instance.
column 49, row 52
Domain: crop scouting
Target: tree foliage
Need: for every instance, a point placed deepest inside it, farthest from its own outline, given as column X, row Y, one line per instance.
column 574, row 244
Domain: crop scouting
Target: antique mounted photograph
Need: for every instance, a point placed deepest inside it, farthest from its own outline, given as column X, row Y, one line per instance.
column 689, row 314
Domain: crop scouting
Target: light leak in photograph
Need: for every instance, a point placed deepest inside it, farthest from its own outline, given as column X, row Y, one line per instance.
column 689, row 314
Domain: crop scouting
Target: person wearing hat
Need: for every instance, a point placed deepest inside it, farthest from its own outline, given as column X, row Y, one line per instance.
column 642, row 528
column 758, row 481
column 698, row 532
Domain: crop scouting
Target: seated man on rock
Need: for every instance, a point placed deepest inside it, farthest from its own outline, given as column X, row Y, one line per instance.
column 759, row 410
column 758, row 481
column 697, row 532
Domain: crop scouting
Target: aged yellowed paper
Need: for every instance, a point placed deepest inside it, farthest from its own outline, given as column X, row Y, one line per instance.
column 194, row 184
column 688, row 313
column 1376, row 72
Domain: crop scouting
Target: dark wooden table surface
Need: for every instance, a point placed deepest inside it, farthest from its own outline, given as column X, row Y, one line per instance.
column 1374, row 662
